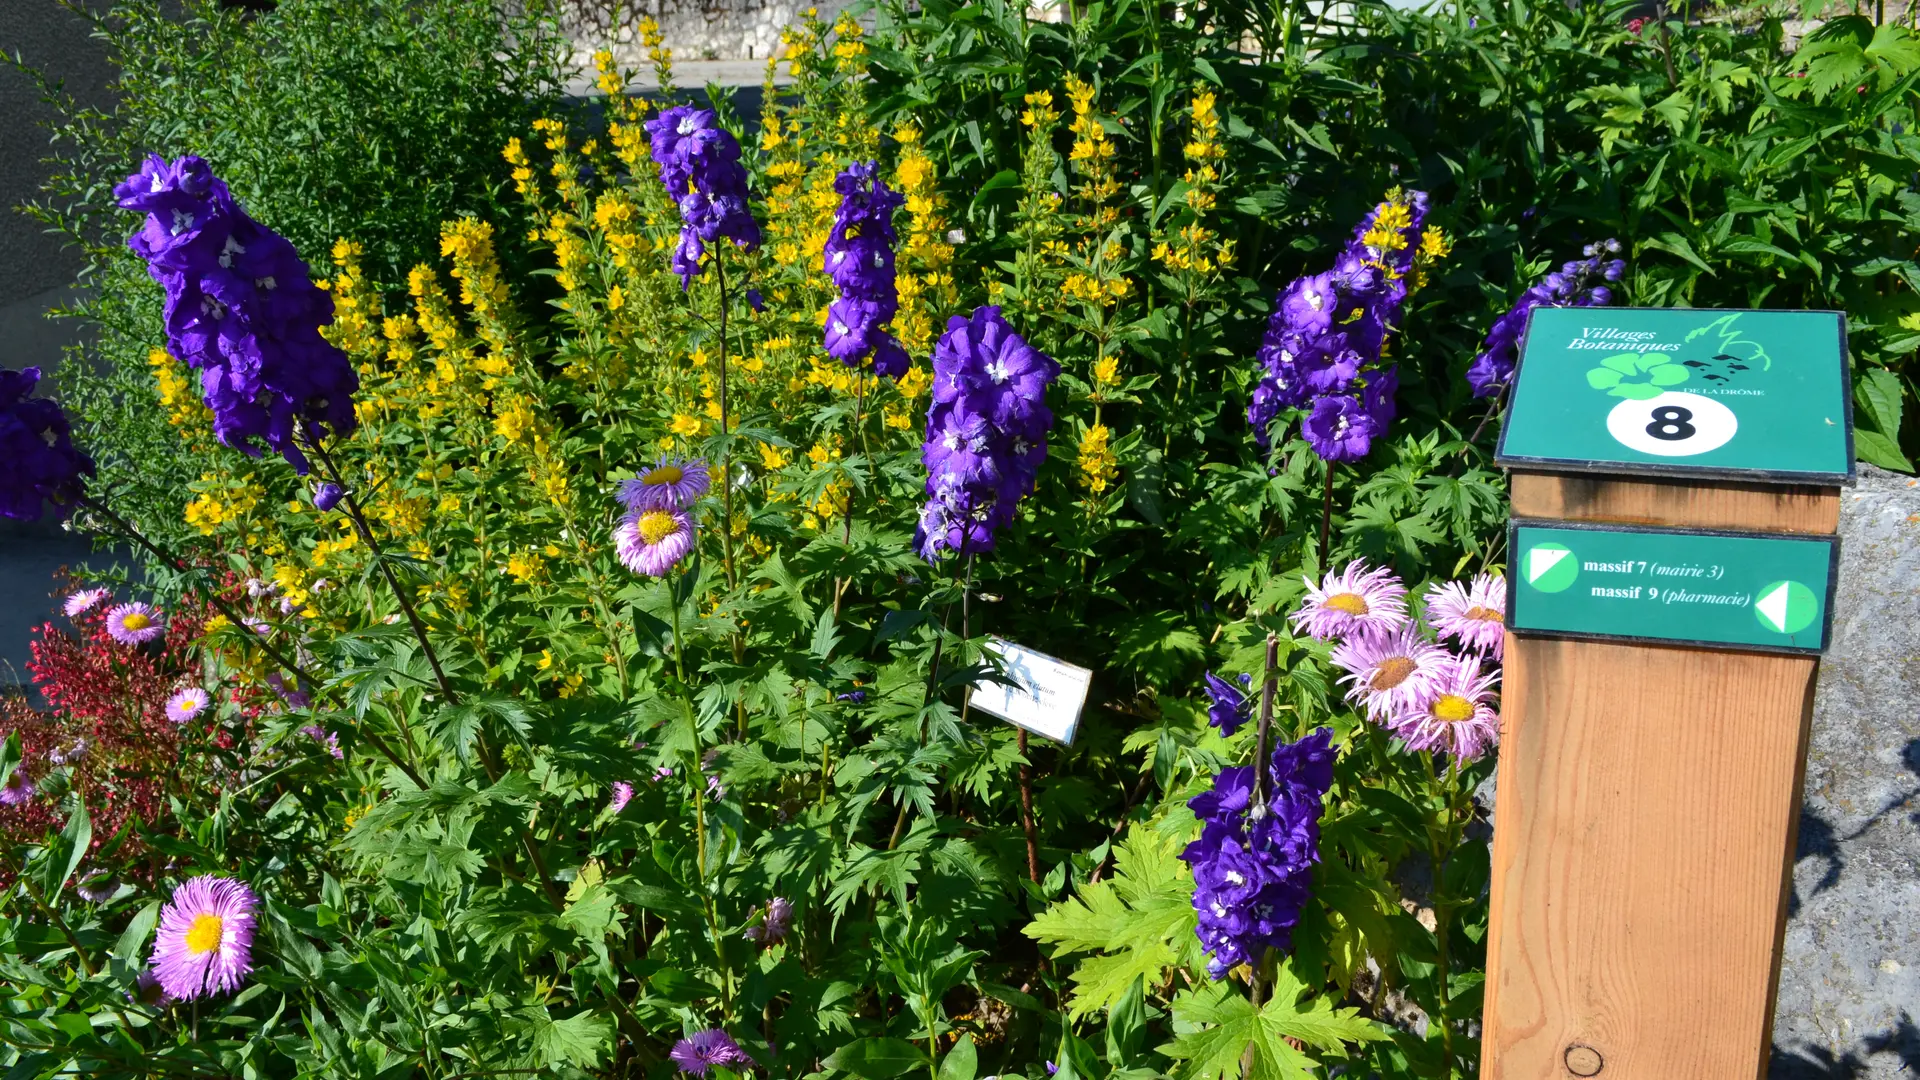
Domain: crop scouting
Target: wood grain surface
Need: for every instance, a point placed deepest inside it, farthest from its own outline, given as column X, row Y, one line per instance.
column 1648, row 799
column 1692, row 503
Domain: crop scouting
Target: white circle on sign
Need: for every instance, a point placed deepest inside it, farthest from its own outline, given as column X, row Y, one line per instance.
column 1672, row 425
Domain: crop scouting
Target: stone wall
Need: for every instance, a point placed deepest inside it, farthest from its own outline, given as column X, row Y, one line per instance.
column 1849, row 1003
column 698, row 29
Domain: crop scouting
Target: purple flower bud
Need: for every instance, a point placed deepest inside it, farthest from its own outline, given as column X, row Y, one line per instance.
column 755, row 300
column 327, row 495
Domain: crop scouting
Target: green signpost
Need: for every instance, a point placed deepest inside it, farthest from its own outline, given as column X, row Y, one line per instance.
column 1734, row 590
column 1754, row 395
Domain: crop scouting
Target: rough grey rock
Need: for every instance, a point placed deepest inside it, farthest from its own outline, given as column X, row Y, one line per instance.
column 1849, row 1001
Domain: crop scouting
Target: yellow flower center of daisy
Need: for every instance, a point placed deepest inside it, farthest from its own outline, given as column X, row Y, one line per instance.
column 1483, row 614
column 657, row 525
column 1391, row 672
column 134, row 620
column 1349, row 602
column 1452, row 708
column 204, row 935
column 664, row 474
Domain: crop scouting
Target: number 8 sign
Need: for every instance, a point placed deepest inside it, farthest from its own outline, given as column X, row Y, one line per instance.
column 1672, row 424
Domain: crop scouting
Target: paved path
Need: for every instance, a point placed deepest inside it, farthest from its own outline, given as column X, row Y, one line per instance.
column 29, row 556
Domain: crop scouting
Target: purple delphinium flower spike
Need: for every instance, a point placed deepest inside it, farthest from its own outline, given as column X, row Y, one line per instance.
column 986, row 432
column 241, row 310
column 700, row 165
column 1582, row 283
column 36, row 444
column 1252, row 869
column 1328, row 332
column 859, row 258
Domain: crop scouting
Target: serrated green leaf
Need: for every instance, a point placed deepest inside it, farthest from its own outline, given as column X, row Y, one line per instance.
column 1140, row 920
column 576, row 1040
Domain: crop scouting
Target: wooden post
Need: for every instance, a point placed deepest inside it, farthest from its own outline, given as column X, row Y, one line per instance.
column 1649, row 790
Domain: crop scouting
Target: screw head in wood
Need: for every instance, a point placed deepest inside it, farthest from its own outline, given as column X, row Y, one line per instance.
column 1584, row 1060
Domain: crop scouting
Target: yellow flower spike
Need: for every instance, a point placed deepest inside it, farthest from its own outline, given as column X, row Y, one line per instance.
column 1098, row 466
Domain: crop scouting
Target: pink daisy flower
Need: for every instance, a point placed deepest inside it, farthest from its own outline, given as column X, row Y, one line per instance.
column 622, row 795
column 1353, row 601
column 1473, row 614
column 1456, row 716
column 669, row 485
column 1390, row 672
column 18, row 790
column 205, row 942
column 135, row 623
column 187, row 703
column 84, row 601
column 654, row 542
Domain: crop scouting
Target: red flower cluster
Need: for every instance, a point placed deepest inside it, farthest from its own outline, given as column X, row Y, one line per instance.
column 108, row 730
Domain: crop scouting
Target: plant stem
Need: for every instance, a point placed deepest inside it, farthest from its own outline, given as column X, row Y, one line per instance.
column 1440, row 843
column 1267, row 689
column 1027, row 824
column 726, row 470
column 359, row 519
column 1326, row 519
column 452, row 697
column 726, row 453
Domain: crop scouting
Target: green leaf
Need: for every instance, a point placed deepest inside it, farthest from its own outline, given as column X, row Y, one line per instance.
column 1879, row 392
column 962, row 1062
column 1134, row 918
column 67, row 851
column 9, row 757
column 1876, row 449
column 593, row 915
column 1127, row 1026
column 877, row 1058
column 577, row 1040
column 1214, row 1052
column 133, row 940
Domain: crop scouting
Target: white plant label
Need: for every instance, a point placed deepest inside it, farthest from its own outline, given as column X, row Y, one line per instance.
column 1049, row 696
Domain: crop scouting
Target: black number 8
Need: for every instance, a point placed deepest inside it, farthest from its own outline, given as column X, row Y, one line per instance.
column 1670, row 424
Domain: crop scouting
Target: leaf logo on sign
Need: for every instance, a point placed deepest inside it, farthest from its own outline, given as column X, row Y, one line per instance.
column 1640, row 376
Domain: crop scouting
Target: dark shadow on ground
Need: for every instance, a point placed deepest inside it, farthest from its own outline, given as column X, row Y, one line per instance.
column 1819, row 1063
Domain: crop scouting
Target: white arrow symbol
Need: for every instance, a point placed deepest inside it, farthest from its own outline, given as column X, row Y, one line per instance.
column 1541, row 560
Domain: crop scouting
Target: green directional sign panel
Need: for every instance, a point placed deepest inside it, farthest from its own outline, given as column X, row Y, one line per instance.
column 1756, row 395
column 1737, row 590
